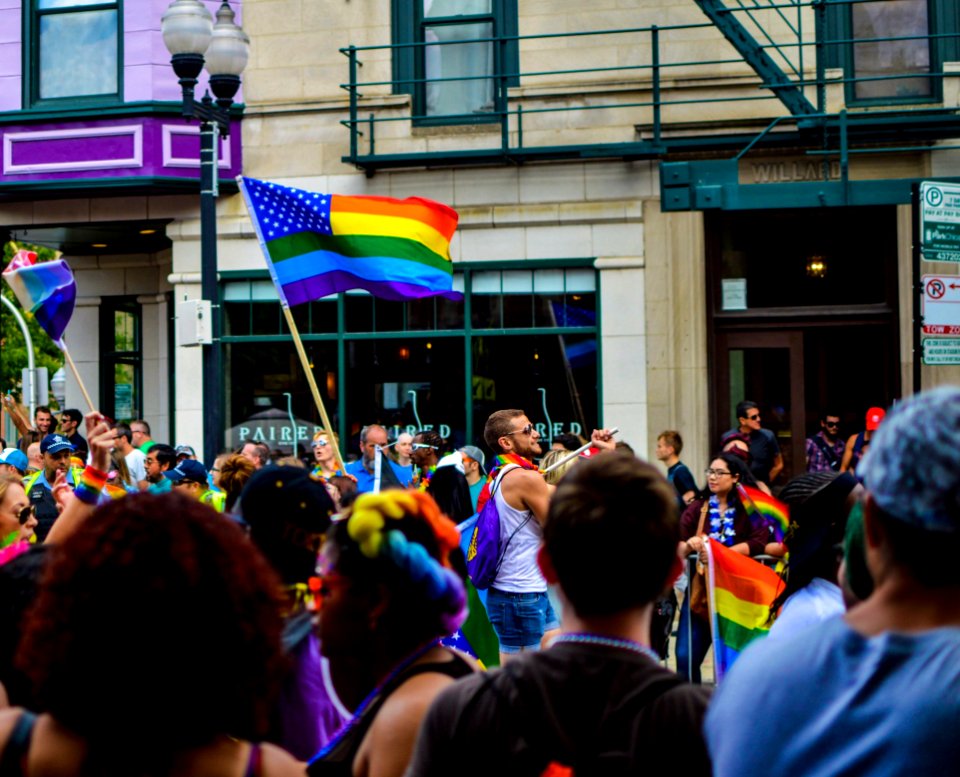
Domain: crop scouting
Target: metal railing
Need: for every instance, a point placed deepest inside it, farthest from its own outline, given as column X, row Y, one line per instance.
column 658, row 95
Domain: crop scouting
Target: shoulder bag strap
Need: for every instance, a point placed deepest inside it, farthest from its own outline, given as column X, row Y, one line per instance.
column 703, row 517
column 14, row 755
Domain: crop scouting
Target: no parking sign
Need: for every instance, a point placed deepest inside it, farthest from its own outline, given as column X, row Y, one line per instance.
column 941, row 305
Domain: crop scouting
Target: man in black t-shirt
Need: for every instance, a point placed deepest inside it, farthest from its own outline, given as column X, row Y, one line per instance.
column 669, row 445
column 69, row 423
column 597, row 701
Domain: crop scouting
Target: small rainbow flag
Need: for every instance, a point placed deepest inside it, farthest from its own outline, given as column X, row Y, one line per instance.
column 741, row 591
column 45, row 289
column 763, row 506
column 320, row 244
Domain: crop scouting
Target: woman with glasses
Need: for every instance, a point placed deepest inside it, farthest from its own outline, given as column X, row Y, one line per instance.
column 17, row 519
column 392, row 587
column 719, row 515
column 325, row 462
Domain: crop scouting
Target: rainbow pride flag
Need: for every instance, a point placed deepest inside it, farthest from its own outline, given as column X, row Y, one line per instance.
column 45, row 289
column 320, row 244
column 741, row 591
column 766, row 508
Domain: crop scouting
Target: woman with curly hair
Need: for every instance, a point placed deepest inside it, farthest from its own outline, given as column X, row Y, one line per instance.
column 153, row 649
column 393, row 587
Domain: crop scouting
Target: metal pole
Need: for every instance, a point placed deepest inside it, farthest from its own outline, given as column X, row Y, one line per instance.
column 31, row 364
column 917, row 290
column 212, row 390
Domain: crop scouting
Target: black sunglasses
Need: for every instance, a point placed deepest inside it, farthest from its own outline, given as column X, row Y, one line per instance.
column 528, row 429
column 24, row 515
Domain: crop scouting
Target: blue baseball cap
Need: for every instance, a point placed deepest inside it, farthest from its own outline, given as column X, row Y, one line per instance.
column 188, row 469
column 15, row 458
column 54, row 443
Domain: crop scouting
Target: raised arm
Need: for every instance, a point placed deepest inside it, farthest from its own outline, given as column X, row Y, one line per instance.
column 101, row 439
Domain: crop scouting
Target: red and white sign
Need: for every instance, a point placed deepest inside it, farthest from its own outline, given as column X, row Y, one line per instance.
column 941, row 305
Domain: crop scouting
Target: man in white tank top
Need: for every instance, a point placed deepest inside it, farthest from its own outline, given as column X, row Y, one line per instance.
column 517, row 601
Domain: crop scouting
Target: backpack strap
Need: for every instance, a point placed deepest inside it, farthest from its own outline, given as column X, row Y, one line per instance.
column 14, row 756
column 829, row 452
column 503, row 551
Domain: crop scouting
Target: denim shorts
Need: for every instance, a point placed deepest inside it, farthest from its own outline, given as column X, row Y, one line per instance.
column 520, row 619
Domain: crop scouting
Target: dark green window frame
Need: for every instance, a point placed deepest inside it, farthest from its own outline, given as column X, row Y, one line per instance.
column 112, row 357
column 342, row 336
column 944, row 27
column 408, row 57
column 31, row 57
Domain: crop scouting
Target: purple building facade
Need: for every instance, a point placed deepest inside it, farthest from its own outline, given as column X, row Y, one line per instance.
column 98, row 162
column 134, row 136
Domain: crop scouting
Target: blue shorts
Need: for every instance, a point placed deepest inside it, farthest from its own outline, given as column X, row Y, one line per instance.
column 520, row 619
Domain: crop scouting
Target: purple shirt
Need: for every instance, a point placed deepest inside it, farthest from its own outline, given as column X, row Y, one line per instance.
column 817, row 460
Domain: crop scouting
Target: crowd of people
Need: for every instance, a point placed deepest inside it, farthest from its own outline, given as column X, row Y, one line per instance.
column 271, row 616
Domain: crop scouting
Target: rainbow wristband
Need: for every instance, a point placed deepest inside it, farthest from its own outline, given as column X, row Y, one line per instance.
column 91, row 484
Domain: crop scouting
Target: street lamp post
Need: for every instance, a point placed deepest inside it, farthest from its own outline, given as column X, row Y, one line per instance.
column 193, row 40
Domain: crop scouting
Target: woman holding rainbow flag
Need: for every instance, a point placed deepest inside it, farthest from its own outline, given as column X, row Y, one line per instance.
column 721, row 516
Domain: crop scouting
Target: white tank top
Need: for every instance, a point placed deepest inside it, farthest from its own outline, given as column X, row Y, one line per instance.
column 519, row 572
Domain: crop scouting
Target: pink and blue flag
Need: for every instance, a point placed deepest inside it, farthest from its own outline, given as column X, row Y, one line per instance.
column 45, row 289
column 320, row 244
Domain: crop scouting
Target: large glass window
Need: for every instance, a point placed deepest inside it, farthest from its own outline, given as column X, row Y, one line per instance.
column 74, row 49
column 774, row 260
column 268, row 398
column 451, row 59
column 520, row 338
column 884, row 68
column 121, row 359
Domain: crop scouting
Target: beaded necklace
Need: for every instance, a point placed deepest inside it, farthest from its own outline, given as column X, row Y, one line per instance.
column 422, row 478
column 371, row 697
column 721, row 527
column 614, row 642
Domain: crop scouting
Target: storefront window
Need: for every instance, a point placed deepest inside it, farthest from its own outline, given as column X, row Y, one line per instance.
column 509, row 372
column 260, row 378
column 396, row 381
column 419, row 363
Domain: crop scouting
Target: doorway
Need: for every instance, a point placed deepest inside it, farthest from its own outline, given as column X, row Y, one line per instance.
column 767, row 368
column 803, row 309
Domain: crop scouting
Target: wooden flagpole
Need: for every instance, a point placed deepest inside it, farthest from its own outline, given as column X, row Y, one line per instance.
column 76, row 374
column 313, row 386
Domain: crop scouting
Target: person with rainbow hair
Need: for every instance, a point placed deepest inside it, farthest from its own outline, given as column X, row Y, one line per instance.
column 392, row 587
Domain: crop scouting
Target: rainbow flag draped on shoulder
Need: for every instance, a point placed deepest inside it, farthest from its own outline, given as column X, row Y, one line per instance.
column 741, row 591
column 320, row 244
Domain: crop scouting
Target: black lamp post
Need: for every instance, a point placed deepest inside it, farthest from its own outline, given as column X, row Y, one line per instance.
column 193, row 40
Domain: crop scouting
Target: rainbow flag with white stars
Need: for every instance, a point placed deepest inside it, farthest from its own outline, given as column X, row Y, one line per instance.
column 320, row 244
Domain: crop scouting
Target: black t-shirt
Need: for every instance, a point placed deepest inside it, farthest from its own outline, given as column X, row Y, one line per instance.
column 681, row 477
column 80, row 444
column 600, row 710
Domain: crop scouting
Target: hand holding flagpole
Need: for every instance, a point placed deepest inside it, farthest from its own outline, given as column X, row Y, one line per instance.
column 577, row 452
